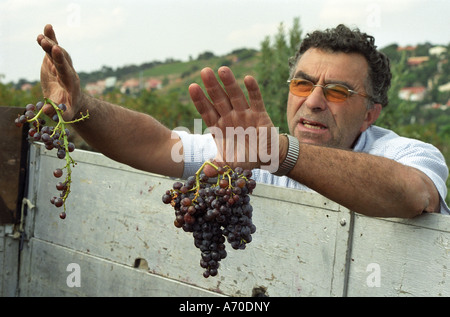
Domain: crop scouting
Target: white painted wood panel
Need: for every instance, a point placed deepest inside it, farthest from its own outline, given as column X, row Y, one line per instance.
column 115, row 213
column 412, row 257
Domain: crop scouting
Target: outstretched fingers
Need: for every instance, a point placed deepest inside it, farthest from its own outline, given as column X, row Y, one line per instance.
column 50, row 33
column 62, row 63
column 55, row 53
column 59, row 80
column 47, row 40
column 227, row 99
column 223, row 106
column 215, row 91
column 254, row 94
column 204, row 107
column 236, row 96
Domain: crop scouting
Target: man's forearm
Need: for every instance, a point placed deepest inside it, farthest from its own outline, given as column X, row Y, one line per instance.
column 127, row 136
column 367, row 184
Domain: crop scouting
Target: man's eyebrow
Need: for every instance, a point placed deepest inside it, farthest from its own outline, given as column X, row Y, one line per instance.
column 302, row 74
column 340, row 82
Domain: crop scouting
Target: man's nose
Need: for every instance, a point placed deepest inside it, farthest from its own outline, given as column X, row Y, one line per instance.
column 316, row 101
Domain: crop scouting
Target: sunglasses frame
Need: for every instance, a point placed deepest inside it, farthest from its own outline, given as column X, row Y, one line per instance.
column 325, row 88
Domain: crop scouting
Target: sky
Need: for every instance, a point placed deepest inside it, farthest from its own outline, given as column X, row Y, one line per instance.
column 116, row 33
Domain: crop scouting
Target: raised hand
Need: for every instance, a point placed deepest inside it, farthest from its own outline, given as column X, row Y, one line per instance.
column 243, row 131
column 59, row 80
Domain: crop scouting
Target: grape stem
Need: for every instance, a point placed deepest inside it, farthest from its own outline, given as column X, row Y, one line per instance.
column 197, row 177
column 225, row 173
column 61, row 126
column 35, row 118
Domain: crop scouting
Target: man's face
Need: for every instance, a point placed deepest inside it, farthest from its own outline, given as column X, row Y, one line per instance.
column 315, row 120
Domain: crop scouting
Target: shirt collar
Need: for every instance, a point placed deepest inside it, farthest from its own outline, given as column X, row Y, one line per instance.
column 361, row 142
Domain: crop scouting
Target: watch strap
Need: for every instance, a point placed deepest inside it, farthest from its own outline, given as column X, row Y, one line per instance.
column 291, row 156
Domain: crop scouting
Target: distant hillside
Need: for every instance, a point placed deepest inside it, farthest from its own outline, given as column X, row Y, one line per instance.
column 175, row 76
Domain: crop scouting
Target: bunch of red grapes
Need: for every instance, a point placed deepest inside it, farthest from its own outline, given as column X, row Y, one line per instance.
column 53, row 137
column 215, row 210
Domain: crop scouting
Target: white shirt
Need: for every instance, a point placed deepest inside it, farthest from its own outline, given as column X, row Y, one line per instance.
column 375, row 140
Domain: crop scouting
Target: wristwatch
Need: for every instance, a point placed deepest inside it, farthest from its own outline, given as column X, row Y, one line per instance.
column 291, row 157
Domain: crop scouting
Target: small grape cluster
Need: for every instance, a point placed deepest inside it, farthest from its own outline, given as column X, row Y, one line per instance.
column 53, row 138
column 215, row 210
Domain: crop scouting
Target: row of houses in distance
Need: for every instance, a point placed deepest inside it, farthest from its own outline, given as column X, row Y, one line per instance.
column 129, row 86
column 418, row 93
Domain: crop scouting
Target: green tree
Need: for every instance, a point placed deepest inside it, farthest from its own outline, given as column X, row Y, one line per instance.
column 295, row 36
column 399, row 111
column 273, row 71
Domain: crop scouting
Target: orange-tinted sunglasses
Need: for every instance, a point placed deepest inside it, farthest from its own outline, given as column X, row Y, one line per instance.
column 332, row 92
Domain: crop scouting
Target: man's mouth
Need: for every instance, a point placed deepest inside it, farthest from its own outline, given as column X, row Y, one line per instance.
column 312, row 125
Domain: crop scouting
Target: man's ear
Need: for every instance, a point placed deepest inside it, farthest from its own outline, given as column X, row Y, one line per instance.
column 371, row 116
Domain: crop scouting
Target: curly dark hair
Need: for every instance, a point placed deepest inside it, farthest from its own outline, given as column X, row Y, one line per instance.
column 343, row 39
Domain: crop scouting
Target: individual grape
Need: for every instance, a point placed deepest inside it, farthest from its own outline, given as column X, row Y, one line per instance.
column 58, row 202
column 57, row 143
column 45, row 137
column 192, row 210
column 62, row 107
column 46, row 129
column 166, row 199
column 71, row 147
column 58, row 173
column 17, row 122
column 251, row 184
column 37, row 136
column 61, row 186
column 215, row 210
column 189, row 219
column 186, row 201
column 30, row 107
column 223, row 183
column 240, row 182
column 39, row 105
column 22, row 119
column 32, row 131
column 61, row 153
column 184, row 189
column 29, row 114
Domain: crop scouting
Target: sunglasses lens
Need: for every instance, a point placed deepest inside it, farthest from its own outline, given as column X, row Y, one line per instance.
column 336, row 93
column 333, row 92
column 301, row 88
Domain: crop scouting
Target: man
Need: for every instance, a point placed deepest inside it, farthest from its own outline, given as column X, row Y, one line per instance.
column 338, row 86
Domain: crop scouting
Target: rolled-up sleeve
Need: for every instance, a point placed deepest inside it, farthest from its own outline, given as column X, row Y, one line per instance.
column 420, row 155
column 429, row 160
column 197, row 148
